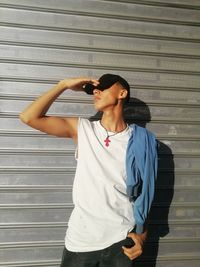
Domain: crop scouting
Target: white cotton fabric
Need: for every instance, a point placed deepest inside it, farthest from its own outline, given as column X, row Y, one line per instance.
column 103, row 214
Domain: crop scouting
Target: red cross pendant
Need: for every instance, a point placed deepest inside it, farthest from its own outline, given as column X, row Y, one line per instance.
column 107, row 141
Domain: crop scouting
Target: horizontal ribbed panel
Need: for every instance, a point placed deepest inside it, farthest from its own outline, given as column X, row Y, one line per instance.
column 94, row 42
column 82, row 23
column 140, row 77
column 155, row 45
column 193, row 4
column 103, row 9
column 58, row 57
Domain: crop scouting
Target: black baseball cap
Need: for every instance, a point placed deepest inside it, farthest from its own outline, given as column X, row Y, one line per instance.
column 105, row 82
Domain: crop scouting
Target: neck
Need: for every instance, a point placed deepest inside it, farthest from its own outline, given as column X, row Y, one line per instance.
column 113, row 122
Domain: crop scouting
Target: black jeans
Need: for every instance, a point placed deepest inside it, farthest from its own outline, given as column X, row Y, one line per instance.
column 112, row 256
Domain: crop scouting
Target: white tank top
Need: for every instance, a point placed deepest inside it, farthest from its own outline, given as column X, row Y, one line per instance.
column 102, row 213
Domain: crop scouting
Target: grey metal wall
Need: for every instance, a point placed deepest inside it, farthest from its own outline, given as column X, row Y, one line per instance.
column 155, row 45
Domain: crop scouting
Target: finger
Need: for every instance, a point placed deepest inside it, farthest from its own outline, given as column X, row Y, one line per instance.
column 133, row 251
column 129, row 251
column 136, row 238
column 88, row 79
column 94, row 81
column 132, row 236
column 131, row 256
column 128, row 255
column 82, row 81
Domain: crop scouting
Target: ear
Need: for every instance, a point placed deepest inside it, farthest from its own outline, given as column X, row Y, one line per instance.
column 123, row 93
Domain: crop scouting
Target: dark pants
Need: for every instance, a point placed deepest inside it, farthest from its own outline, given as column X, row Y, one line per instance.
column 112, row 256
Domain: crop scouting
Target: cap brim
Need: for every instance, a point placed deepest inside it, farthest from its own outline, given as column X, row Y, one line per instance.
column 89, row 88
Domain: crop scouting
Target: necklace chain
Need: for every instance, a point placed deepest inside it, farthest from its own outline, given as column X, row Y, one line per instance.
column 107, row 140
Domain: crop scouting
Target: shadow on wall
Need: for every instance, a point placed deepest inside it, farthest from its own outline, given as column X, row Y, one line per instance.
column 136, row 111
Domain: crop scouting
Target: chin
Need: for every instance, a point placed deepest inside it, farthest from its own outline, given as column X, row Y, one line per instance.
column 98, row 107
column 102, row 106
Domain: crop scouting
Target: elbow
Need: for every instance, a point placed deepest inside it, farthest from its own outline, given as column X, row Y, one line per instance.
column 23, row 118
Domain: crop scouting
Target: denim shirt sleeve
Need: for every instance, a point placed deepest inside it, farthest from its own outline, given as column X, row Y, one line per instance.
column 141, row 167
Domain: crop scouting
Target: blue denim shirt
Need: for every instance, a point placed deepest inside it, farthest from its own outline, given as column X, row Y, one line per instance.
column 141, row 168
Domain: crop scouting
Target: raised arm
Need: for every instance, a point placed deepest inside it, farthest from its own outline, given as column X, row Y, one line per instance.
column 34, row 114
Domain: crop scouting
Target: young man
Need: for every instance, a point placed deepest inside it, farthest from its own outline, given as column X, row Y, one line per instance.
column 103, row 229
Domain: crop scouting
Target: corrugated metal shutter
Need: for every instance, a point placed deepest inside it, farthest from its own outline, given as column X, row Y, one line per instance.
column 155, row 45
